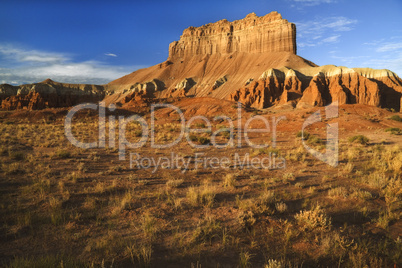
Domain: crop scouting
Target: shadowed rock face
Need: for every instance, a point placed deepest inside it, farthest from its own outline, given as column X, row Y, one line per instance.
column 252, row 34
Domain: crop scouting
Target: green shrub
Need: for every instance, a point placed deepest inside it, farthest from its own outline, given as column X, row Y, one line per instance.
column 63, row 154
column 396, row 118
column 359, row 139
column 304, row 135
column 193, row 138
column 199, row 139
column 203, row 140
column 394, row 130
column 308, row 137
column 314, row 139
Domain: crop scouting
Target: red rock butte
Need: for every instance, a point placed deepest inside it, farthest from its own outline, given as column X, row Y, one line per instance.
column 217, row 58
column 252, row 60
column 253, row 34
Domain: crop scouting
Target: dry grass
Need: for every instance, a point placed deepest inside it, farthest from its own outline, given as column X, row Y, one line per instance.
column 174, row 183
column 89, row 205
column 229, row 181
column 314, row 219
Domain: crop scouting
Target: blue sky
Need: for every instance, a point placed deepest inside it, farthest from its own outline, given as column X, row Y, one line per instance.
column 98, row 41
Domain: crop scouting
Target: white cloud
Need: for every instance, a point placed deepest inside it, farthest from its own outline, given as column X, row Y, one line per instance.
column 391, row 62
column 322, row 30
column 332, row 39
column 110, row 54
column 306, row 45
column 321, row 25
column 374, row 42
column 389, row 47
column 38, row 58
column 340, row 24
column 314, row 2
column 385, row 55
column 90, row 69
column 350, row 61
column 19, row 66
column 22, row 55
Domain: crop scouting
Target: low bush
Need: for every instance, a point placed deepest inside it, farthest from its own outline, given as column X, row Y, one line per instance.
column 394, row 130
column 200, row 139
column 63, row 154
column 359, row 139
column 396, row 118
column 304, row 135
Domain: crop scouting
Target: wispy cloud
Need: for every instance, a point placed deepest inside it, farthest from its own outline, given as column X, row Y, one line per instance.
column 323, row 30
column 21, row 55
column 350, row 61
column 389, row 47
column 374, row 42
column 110, row 54
column 385, row 54
column 320, row 25
column 332, row 39
column 19, row 66
column 314, row 2
column 391, row 62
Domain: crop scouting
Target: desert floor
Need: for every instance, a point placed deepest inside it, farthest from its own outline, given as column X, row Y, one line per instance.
column 63, row 206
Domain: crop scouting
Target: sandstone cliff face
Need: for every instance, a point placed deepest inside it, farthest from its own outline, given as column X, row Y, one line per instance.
column 348, row 86
column 273, row 87
column 380, row 88
column 293, row 87
column 252, row 34
column 316, row 94
column 48, row 94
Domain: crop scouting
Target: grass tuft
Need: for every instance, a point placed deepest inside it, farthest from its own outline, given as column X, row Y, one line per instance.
column 361, row 139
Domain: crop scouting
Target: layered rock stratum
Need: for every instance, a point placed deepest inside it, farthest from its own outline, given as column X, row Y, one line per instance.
column 252, row 60
column 253, row 34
